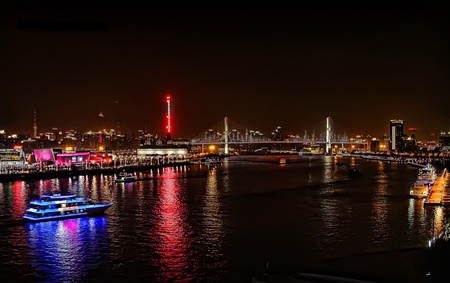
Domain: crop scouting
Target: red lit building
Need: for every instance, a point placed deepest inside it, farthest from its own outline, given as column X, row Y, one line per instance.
column 72, row 158
column 101, row 157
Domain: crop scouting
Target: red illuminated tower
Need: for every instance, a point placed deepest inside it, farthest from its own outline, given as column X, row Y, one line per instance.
column 168, row 125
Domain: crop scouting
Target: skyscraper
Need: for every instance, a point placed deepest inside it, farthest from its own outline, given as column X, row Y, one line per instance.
column 396, row 141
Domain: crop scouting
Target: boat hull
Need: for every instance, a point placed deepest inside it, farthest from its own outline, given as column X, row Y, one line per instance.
column 97, row 209
column 125, row 180
column 418, row 196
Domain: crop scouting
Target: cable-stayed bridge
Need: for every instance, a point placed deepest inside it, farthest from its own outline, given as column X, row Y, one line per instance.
column 326, row 134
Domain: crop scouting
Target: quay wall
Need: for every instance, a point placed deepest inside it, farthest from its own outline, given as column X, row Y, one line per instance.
column 69, row 173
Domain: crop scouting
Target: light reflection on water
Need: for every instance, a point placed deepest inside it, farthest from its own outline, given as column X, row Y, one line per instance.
column 328, row 205
column 179, row 223
column 17, row 199
column 380, row 211
column 171, row 232
column 66, row 250
column 328, row 175
column 213, row 230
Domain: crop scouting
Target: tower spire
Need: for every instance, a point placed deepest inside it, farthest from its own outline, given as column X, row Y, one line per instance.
column 168, row 126
column 34, row 125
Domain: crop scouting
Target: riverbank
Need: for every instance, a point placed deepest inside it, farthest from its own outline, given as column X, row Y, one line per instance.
column 44, row 175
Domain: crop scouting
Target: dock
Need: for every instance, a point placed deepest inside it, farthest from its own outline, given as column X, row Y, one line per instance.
column 438, row 194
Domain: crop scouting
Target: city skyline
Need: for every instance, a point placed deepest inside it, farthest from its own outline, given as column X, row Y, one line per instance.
column 263, row 66
column 314, row 133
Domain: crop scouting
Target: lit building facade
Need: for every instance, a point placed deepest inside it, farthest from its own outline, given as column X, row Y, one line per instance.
column 12, row 157
column 72, row 158
column 396, row 137
column 163, row 150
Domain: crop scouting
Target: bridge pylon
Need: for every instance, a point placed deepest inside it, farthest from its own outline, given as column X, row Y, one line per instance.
column 226, row 135
column 328, row 136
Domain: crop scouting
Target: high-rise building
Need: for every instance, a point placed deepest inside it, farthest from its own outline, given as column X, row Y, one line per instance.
column 444, row 139
column 374, row 145
column 396, row 137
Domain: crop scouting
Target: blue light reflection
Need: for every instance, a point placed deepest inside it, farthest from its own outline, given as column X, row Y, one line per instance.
column 67, row 250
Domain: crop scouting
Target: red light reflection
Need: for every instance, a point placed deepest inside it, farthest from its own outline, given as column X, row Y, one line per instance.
column 171, row 231
column 18, row 201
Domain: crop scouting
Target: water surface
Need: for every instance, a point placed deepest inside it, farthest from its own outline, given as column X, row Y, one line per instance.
column 217, row 223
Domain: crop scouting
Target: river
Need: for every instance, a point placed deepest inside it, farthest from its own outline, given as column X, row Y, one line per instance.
column 221, row 223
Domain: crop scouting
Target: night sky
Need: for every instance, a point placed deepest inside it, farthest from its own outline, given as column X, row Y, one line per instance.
column 261, row 65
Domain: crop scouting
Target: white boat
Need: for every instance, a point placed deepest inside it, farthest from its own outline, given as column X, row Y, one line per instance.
column 419, row 190
column 125, row 177
column 425, row 179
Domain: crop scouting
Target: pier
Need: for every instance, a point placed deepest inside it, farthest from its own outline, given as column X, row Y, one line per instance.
column 51, row 174
column 438, row 194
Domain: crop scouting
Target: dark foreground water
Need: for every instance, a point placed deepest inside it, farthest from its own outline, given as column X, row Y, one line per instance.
column 215, row 224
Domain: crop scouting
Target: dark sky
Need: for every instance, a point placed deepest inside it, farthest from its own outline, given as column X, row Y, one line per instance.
column 262, row 65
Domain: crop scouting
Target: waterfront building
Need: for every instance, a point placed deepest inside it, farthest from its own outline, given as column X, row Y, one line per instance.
column 73, row 158
column 396, row 142
column 374, row 145
column 11, row 159
column 102, row 158
column 166, row 149
column 444, row 140
column 44, row 157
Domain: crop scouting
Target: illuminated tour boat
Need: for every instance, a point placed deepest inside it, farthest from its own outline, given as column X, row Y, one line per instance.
column 425, row 179
column 57, row 206
column 419, row 189
column 427, row 174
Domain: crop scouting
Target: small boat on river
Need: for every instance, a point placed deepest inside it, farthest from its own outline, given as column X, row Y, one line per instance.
column 125, row 177
column 419, row 189
column 58, row 206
